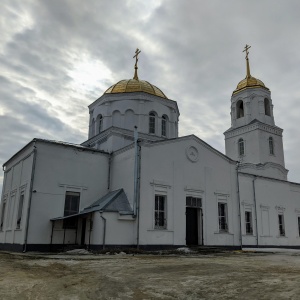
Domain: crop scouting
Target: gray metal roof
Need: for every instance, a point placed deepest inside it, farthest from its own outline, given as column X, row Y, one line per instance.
column 115, row 201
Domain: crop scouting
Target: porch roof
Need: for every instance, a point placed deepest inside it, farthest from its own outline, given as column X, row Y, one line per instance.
column 115, row 201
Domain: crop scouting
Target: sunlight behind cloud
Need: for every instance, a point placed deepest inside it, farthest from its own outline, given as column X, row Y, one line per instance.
column 89, row 74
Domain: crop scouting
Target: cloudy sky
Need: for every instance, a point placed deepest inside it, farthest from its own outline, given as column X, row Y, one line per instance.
column 58, row 56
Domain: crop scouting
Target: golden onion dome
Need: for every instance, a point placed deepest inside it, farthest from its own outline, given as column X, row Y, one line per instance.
column 249, row 81
column 135, row 85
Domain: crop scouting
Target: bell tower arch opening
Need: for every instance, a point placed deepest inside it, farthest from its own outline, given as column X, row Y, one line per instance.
column 240, row 109
column 267, row 107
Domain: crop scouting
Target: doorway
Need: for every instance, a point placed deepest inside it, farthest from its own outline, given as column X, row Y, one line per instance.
column 194, row 224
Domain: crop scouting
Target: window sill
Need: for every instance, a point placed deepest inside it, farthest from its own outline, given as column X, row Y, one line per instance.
column 281, row 236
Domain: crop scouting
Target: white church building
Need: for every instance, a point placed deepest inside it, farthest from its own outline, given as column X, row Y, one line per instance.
column 135, row 183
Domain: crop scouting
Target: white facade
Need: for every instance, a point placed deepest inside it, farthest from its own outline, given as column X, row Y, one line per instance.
column 158, row 191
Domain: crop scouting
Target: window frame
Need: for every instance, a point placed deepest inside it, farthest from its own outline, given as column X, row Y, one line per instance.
column 164, row 120
column 152, row 122
column 281, row 225
column 248, row 223
column 158, row 211
column 223, row 217
column 100, row 124
column 241, row 146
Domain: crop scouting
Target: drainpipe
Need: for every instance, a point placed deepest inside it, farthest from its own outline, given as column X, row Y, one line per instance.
column 135, row 177
column 104, row 230
column 30, row 197
column 255, row 208
column 138, row 196
column 109, row 170
column 239, row 203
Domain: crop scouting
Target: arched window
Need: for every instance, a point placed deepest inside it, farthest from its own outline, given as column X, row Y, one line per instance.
column 271, row 145
column 241, row 147
column 239, row 109
column 267, row 107
column 100, row 123
column 164, row 120
column 152, row 123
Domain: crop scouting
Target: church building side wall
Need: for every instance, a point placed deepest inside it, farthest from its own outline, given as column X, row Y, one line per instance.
column 175, row 170
column 16, row 189
column 61, row 169
column 266, row 199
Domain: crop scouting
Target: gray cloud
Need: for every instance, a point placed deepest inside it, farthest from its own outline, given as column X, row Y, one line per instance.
column 192, row 50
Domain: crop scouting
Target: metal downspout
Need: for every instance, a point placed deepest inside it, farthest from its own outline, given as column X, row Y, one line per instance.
column 30, row 198
column 135, row 171
column 104, row 230
column 255, row 209
column 109, row 170
column 239, row 204
column 138, row 197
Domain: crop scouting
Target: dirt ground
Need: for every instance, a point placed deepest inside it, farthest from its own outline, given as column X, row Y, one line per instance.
column 232, row 275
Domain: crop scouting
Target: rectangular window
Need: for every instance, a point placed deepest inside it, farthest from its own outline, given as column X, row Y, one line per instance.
column 248, row 222
column 71, row 208
column 222, row 210
column 281, row 225
column 20, row 209
column 2, row 216
column 160, row 212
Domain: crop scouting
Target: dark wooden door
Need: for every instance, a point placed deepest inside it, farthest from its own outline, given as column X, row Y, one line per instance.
column 83, row 227
column 191, row 226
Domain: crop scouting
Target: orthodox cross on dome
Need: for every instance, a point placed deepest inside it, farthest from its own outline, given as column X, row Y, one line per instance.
column 247, row 47
column 137, row 52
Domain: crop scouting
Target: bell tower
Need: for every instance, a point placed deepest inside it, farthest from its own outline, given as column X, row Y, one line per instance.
column 253, row 138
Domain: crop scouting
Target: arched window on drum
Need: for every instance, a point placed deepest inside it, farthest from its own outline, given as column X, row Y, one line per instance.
column 164, row 125
column 152, row 121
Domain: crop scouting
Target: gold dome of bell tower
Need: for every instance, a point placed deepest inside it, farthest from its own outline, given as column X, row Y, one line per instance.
column 249, row 81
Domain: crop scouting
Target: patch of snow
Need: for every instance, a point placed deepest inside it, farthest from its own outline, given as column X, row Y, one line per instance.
column 78, row 251
column 184, row 249
column 273, row 250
